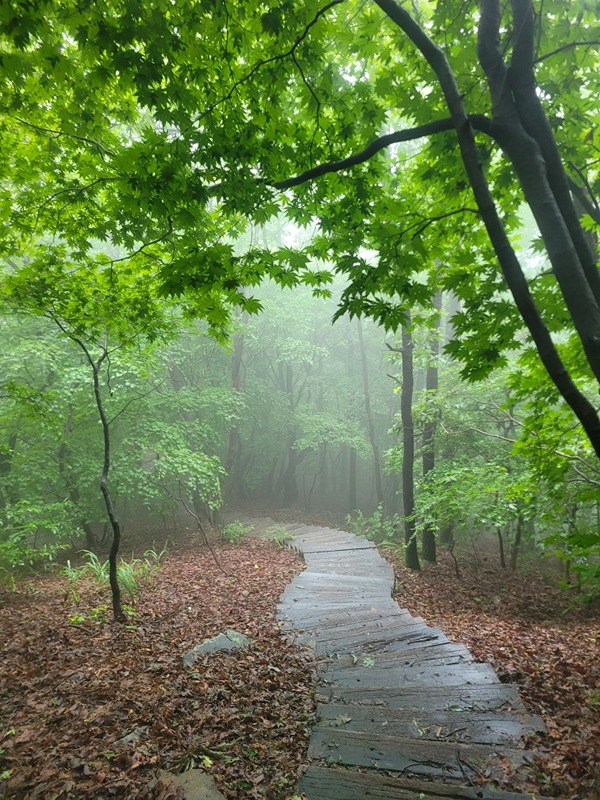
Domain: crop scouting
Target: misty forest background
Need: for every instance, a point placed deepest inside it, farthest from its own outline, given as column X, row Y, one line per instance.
column 289, row 411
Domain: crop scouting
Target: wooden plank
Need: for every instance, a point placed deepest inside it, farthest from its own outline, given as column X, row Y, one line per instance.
column 335, row 547
column 438, row 654
column 340, row 625
column 494, row 697
column 419, row 676
column 363, row 637
column 330, row 783
column 376, row 638
column 371, row 626
column 307, row 619
column 309, row 579
column 452, row 761
column 450, row 726
column 316, row 596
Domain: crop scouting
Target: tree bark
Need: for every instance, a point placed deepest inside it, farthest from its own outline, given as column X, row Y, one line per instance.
column 428, row 543
column 118, row 613
column 408, row 447
column 352, row 481
column 566, row 265
column 369, row 416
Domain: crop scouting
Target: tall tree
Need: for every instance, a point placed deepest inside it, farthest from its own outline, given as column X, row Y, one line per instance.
column 369, row 414
column 431, row 419
column 408, row 446
column 100, row 310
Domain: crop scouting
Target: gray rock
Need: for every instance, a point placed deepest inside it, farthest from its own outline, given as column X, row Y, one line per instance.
column 230, row 640
column 134, row 736
column 196, row 785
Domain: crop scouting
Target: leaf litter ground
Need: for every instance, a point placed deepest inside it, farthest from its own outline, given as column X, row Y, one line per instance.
column 93, row 709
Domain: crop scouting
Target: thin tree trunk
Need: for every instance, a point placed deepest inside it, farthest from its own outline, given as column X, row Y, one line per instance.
column 408, row 449
column 431, row 388
column 501, row 547
column 118, row 613
column 514, row 554
column 352, row 481
column 369, row 416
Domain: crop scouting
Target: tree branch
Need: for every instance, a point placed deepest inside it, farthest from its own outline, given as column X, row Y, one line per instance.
column 569, row 46
column 263, row 62
column 374, row 147
column 85, row 139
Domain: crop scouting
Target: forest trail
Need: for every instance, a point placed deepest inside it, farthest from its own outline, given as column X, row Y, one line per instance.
column 403, row 712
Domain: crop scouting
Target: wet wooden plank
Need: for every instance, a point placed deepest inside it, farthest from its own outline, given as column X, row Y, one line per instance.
column 307, row 619
column 330, row 783
column 372, row 677
column 438, row 654
column 451, row 726
column 310, row 580
column 365, row 639
column 343, row 625
column 335, row 546
column 499, row 697
column 452, row 761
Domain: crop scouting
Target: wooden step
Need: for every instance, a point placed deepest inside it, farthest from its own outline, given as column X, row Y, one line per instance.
column 451, row 726
column 490, row 697
column 330, row 783
column 450, row 761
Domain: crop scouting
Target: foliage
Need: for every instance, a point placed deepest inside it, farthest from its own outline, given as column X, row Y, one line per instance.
column 31, row 533
column 278, row 534
column 234, row 532
column 377, row 527
column 111, row 122
column 133, row 574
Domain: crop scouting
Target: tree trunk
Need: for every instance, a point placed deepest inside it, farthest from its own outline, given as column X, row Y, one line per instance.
column 514, row 553
column 431, row 387
column 352, row 481
column 369, row 416
column 524, row 135
column 118, row 613
column 408, row 449
column 501, row 547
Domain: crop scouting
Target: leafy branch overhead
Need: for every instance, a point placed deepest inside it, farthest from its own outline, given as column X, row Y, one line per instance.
column 163, row 130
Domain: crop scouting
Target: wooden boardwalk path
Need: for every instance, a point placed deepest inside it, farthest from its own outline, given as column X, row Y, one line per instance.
column 403, row 712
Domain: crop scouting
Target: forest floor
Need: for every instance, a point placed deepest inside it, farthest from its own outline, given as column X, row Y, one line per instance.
column 537, row 638
column 72, row 685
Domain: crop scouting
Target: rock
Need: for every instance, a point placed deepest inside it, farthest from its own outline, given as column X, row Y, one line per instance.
column 196, row 785
column 230, row 640
column 134, row 736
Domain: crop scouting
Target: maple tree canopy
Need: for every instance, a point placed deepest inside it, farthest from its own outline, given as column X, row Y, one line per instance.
column 410, row 141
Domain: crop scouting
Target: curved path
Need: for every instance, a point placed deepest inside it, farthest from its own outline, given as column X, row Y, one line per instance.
column 402, row 711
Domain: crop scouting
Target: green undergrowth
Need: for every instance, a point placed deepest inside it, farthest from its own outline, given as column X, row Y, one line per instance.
column 132, row 574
